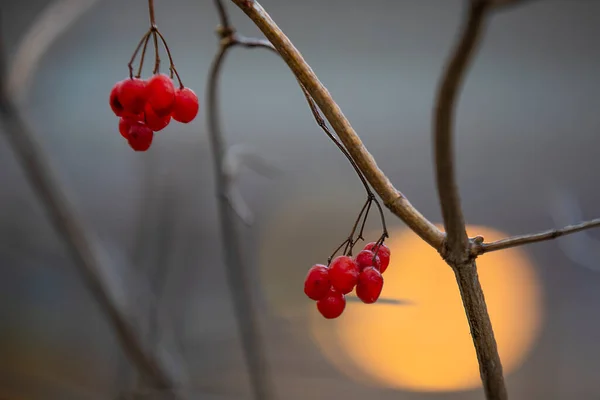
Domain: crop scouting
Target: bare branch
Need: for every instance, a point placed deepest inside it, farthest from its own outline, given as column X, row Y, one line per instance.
column 514, row 241
column 238, row 280
column 391, row 197
column 104, row 284
column 490, row 367
column 456, row 249
column 506, row 3
column 457, row 241
column 55, row 19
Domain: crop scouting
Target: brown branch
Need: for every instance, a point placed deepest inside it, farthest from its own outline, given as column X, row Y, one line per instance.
column 457, row 241
column 456, row 249
column 520, row 240
column 480, row 325
column 392, row 198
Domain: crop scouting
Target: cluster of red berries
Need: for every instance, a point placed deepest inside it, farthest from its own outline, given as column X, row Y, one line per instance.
column 329, row 285
column 147, row 106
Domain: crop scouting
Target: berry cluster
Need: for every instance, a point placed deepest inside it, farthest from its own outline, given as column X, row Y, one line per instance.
column 147, row 106
column 328, row 286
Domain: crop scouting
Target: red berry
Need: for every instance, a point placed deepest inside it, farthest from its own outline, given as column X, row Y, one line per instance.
column 186, row 105
column 140, row 136
column 161, row 94
column 332, row 305
column 124, row 125
column 366, row 258
column 133, row 94
column 370, row 283
column 153, row 121
column 343, row 274
column 383, row 252
column 114, row 102
column 317, row 284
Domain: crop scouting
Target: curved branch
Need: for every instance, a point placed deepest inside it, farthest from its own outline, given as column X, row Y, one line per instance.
column 392, row 198
column 238, row 281
column 56, row 18
column 457, row 241
column 520, row 240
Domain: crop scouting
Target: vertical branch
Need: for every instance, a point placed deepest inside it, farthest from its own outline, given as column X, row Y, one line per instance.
column 454, row 224
column 490, row 366
column 456, row 250
column 236, row 274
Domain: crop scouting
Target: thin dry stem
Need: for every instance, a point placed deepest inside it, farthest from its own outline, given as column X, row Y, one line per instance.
column 391, row 197
column 520, row 240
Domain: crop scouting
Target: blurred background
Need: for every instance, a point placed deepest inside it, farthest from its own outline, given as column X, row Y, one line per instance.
column 527, row 132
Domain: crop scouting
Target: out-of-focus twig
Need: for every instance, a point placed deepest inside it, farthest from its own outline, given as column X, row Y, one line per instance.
column 239, row 282
column 56, row 18
column 104, row 285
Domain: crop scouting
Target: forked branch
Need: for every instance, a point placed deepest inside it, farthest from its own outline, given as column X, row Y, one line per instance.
column 457, row 241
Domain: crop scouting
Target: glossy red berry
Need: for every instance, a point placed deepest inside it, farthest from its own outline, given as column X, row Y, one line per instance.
column 140, row 136
column 343, row 274
column 155, row 122
column 133, row 94
column 186, row 105
column 161, row 94
column 317, row 284
column 114, row 102
column 370, row 283
column 383, row 253
column 366, row 258
column 332, row 305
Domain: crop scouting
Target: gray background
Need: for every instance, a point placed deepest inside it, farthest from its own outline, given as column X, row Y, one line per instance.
column 527, row 128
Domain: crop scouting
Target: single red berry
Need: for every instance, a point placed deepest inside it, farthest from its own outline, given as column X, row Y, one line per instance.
column 161, row 94
column 383, row 252
column 140, row 136
column 153, row 121
column 186, row 105
column 343, row 274
column 114, row 102
column 317, row 284
column 133, row 94
column 370, row 283
column 124, row 125
column 366, row 258
column 332, row 305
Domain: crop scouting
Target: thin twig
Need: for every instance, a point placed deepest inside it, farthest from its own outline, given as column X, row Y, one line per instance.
column 457, row 240
column 79, row 242
column 56, row 18
column 239, row 283
column 520, row 240
column 391, row 197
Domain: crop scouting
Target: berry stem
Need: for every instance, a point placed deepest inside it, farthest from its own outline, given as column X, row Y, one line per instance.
column 321, row 122
column 143, row 56
column 172, row 64
column 156, row 53
column 136, row 51
column 151, row 13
